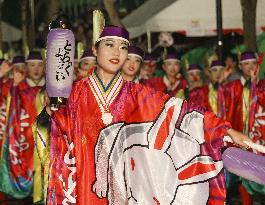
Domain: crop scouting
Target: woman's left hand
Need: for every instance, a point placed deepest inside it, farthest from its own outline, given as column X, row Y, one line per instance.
column 239, row 138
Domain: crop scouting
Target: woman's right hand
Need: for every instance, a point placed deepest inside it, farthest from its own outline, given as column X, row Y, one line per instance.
column 5, row 68
column 19, row 76
column 225, row 74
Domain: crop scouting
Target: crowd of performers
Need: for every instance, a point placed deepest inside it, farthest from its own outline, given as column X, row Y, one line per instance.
column 62, row 158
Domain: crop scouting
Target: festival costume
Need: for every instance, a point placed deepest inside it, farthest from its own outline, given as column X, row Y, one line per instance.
column 209, row 96
column 75, row 130
column 17, row 161
column 93, row 138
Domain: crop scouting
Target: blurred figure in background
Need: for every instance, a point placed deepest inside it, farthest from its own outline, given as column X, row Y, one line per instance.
column 86, row 64
column 231, row 62
column 172, row 82
column 149, row 66
column 131, row 67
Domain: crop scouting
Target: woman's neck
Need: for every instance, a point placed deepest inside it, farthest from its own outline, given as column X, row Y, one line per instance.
column 104, row 76
column 172, row 79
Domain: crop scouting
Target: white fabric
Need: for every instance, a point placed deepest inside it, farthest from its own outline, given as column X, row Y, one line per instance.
column 31, row 83
column 153, row 174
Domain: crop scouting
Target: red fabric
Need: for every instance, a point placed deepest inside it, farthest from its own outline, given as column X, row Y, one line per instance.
column 245, row 196
column 234, row 104
column 214, row 127
column 129, row 106
column 199, row 96
column 199, row 168
column 4, row 90
column 22, row 115
column 75, row 130
column 3, row 198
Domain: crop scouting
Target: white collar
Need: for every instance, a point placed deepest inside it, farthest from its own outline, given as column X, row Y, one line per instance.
column 243, row 80
column 136, row 79
column 167, row 83
column 31, row 83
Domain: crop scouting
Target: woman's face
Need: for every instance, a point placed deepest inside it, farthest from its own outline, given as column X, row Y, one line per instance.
column 35, row 70
column 87, row 64
column 194, row 76
column 149, row 67
column 171, row 68
column 216, row 74
column 20, row 67
column 132, row 65
column 247, row 67
column 111, row 54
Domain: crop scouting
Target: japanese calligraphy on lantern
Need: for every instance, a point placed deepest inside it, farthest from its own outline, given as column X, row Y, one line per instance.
column 64, row 58
column 60, row 58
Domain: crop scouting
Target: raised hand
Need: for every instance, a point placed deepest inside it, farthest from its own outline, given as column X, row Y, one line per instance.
column 19, row 76
column 254, row 73
column 5, row 68
column 225, row 74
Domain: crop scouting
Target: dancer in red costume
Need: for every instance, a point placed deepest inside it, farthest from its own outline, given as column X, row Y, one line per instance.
column 149, row 67
column 172, row 82
column 17, row 161
column 105, row 99
column 209, row 96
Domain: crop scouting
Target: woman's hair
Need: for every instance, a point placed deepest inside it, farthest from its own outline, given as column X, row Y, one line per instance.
column 97, row 44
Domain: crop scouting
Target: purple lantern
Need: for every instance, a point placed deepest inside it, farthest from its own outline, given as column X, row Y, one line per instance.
column 245, row 164
column 60, row 61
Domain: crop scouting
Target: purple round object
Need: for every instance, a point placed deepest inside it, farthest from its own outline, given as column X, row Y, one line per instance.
column 194, row 67
column 60, row 61
column 248, row 56
column 34, row 56
column 245, row 164
column 172, row 56
column 217, row 63
column 87, row 54
column 114, row 32
column 150, row 57
column 134, row 50
column 18, row 60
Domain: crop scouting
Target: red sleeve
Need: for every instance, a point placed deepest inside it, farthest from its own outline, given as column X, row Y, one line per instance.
column 261, row 93
column 146, row 103
column 63, row 116
column 214, row 127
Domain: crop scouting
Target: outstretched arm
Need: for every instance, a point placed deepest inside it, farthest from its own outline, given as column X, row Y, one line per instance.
column 238, row 138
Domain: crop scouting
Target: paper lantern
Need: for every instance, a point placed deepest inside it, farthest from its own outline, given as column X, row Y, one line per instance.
column 60, row 65
column 245, row 164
